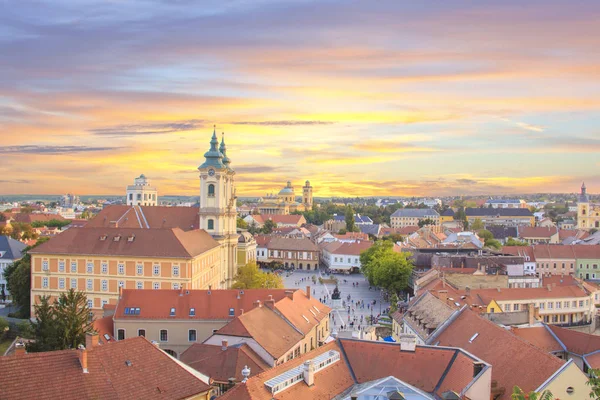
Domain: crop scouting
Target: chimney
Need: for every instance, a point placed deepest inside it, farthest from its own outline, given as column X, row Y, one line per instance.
column 270, row 302
column 289, row 294
column 113, row 224
column 408, row 342
column 20, row 348
column 308, row 292
column 181, row 291
column 549, row 287
column 120, row 292
column 257, row 304
column 224, row 344
column 309, row 373
column 91, row 340
column 477, row 368
column 83, row 358
column 531, row 313
column 468, row 291
column 241, row 311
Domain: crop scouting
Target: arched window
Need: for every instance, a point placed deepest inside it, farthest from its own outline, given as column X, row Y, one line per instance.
column 211, row 224
column 211, row 190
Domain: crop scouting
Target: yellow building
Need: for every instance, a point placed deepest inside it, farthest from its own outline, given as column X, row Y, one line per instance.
column 285, row 202
column 588, row 214
column 501, row 216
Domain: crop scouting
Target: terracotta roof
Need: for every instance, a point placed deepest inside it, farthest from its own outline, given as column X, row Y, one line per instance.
column 30, row 217
column 328, row 382
column 157, row 304
column 540, row 337
column 510, row 356
column 487, row 295
column 262, row 240
column 152, row 374
column 576, row 342
column 289, row 219
column 104, row 326
column 537, row 232
column 352, row 236
column 146, row 243
column 301, row 307
column 284, row 243
column 267, row 328
column 428, row 310
column 553, row 251
column 593, row 360
column 138, row 217
column 567, row 233
column 521, row 251
column 220, row 364
column 353, row 249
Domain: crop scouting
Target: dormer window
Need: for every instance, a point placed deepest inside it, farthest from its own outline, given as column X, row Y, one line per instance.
column 192, row 312
column 117, row 238
column 103, row 237
column 172, row 313
column 131, row 238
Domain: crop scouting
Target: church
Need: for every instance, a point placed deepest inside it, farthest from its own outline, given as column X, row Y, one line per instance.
column 588, row 214
column 147, row 247
column 285, row 202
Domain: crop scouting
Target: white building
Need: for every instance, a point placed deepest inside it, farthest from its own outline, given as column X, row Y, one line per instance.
column 506, row 203
column 10, row 251
column 141, row 193
column 344, row 257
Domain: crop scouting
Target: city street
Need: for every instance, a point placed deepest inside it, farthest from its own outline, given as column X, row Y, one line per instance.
column 339, row 317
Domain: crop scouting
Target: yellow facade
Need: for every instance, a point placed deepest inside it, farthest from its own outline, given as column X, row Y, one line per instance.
column 446, row 218
column 569, row 383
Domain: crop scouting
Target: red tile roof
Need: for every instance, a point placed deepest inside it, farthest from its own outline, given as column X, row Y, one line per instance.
column 146, row 243
column 300, row 307
column 262, row 240
column 553, row 251
column 354, row 248
column 157, row 304
column 487, row 295
column 352, row 236
column 537, row 232
column 593, row 360
column 104, row 326
column 576, row 342
column 510, row 356
column 220, row 364
column 29, row 217
column 540, row 337
column 138, row 217
column 284, row 243
column 152, row 374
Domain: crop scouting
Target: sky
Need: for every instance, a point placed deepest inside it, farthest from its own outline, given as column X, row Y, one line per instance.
column 363, row 98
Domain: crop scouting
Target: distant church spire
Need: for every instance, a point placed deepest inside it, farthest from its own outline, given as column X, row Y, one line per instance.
column 213, row 157
column 583, row 188
column 223, row 150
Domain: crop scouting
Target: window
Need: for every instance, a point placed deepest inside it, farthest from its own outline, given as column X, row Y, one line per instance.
column 542, row 306
column 89, row 284
column 507, row 307
column 73, row 283
column 140, row 269
column 574, row 304
column 121, row 268
column 90, row 303
column 89, row 268
column 172, row 313
column 566, row 304
column 231, row 312
column 558, row 304
column 45, row 282
column 550, row 305
column 176, row 286
column 581, row 303
column 211, row 224
column 192, row 312
column 554, row 265
column 104, row 302
column 73, row 266
column 104, row 267
column 61, row 283
column 515, row 307
column 211, row 190
column 45, row 265
column 156, row 270
column 121, row 334
column 192, row 335
column 61, row 266
column 142, row 332
column 121, row 284
column 175, row 270
column 164, row 336
column 156, row 285
column 139, row 285
column 105, row 285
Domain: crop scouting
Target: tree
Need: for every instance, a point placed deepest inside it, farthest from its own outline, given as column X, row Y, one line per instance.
column 349, row 217
column 250, row 276
column 477, row 224
column 518, row 394
column 386, row 268
column 514, row 242
column 44, row 328
column 73, row 318
column 268, row 226
column 427, row 221
column 241, row 223
column 3, row 327
column 594, row 383
column 489, row 240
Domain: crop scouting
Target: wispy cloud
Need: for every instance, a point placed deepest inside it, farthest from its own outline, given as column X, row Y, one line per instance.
column 149, row 128
column 42, row 149
column 282, row 123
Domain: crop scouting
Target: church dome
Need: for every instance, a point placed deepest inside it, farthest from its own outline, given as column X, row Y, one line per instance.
column 286, row 190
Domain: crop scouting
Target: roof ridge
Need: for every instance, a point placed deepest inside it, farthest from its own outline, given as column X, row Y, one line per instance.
column 348, row 364
column 446, row 371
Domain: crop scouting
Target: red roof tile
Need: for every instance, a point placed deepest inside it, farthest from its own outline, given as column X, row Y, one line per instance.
column 138, row 217
column 351, row 248
column 576, row 342
column 537, row 232
column 539, row 336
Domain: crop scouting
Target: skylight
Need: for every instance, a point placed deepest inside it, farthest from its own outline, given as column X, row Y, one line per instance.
column 192, row 312
column 305, row 318
column 172, row 313
column 473, row 337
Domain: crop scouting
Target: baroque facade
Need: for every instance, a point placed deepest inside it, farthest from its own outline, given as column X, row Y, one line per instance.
column 285, row 202
column 588, row 214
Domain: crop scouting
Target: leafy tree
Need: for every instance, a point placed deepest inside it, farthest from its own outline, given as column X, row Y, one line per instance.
column 386, row 268
column 477, row 224
column 514, row 242
column 342, row 231
column 594, row 383
column 518, row 394
column 3, row 327
column 22, row 230
column 250, row 276
column 53, row 223
column 26, row 210
column 349, row 217
column 489, row 240
column 493, row 243
column 253, row 228
column 45, row 327
column 241, row 223
column 485, row 234
column 268, row 226
column 427, row 221
column 73, row 318
column 394, row 237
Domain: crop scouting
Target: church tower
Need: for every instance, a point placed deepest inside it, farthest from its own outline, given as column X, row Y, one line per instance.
column 583, row 209
column 307, row 196
column 218, row 206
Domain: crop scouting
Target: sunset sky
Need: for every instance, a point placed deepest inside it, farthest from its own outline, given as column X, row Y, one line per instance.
column 367, row 98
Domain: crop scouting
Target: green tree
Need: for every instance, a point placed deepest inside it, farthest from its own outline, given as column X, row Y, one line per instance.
column 45, row 328
column 477, row 224
column 386, row 268
column 349, row 218
column 518, row 394
column 594, row 383
column 268, row 226
column 424, row 222
column 73, row 318
column 250, row 276
column 394, row 237
column 514, row 242
column 53, row 223
column 489, row 240
column 3, row 328
column 241, row 223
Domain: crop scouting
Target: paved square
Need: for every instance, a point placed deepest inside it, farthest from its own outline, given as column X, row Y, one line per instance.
column 360, row 292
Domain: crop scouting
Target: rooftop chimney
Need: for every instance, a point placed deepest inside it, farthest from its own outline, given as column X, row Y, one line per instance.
column 20, row 348
column 290, row 294
column 113, row 224
column 257, row 304
column 308, row 292
column 223, row 344
column 120, row 292
column 91, row 340
column 241, row 311
column 83, row 358
column 531, row 313
column 309, row 373
column 549, row 287
column 477, row 368
column 408, row 342
column 468, row 291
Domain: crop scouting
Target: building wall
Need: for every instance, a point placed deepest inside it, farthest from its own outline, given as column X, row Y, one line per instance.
column 555, row 266
column 507, row 221
column 401, row 222
column 177, row 331
column 588, row 216
column 569, row 377
column 482, row 387
column 200, row 272
column 552, row 310
column 308, row 260
column 341, row 261
column 3, row 265
column 588, row 268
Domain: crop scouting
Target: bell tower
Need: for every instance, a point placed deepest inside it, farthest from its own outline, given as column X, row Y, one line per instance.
column 217, row 213
column 307, row 196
